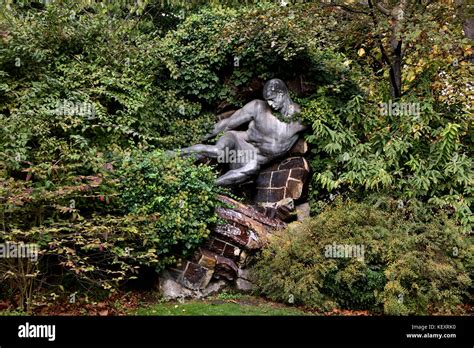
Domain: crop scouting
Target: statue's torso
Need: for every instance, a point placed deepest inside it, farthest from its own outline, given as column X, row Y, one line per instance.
column 271, row 136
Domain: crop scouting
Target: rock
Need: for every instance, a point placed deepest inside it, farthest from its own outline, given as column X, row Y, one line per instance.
column 250, row 225
column 282, row 209
column 243, row 273
column 303, row 211
column 294, row 188
column 244, row 285
column 251, row 213
column 238, row 234
column 284, row 180
column 228, row 249
column 171, row 289
column 213, row 288
column 226, row 268
column 288, row 203
column 196, row 276
column 207, row 259
column 244, row 257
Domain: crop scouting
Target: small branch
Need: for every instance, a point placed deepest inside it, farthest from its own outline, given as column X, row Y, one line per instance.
column 374, row 20
column 382, row 9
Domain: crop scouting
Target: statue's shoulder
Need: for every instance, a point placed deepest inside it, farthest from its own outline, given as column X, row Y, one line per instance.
column 255, row 106
column 255, row 103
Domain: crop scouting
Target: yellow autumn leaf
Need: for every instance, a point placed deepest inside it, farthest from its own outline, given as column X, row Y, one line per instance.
column 361, row 52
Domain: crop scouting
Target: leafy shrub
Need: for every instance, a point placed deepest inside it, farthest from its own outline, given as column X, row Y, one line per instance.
column 163, row 210
column 409, row 266
column 177, row 194
column 425, row 155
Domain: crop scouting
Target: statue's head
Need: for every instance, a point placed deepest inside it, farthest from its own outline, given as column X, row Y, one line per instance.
column 275, row 93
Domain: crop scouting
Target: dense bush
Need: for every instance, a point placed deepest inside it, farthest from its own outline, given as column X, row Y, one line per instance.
column 162, row 211
column 409, row 265
column 177, row 194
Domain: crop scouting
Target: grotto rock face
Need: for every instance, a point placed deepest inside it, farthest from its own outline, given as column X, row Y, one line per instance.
column 223, row 259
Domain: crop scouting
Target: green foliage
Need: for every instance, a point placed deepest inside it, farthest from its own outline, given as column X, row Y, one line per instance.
column 357, row 149
column 172, row 191
column 408, row 265
column 79, row 90
column 163, row 210
column 425, row 155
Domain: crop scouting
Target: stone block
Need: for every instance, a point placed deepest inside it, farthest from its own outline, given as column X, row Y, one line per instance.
column 287, row 181
column 263, row 180
column 275, row 195
column 300, row 147
column 207, row 259
column 294, row 189
column 213, row 288
column 243, row 273
column 299, row 174
column 293, row 162
column 252, row 213
column 231, row 252
column 234, row 233
column 217, row 246
column 226, row 268
column 171, row 289
column 244, row 285
column 241, row 219
column 279, row 178
column 196, row 276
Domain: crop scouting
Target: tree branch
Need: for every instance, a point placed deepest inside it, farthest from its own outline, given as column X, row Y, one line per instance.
column 374, row 21
column 382, row 9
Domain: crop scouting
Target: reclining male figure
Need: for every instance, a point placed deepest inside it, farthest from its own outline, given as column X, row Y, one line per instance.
column 266, row 138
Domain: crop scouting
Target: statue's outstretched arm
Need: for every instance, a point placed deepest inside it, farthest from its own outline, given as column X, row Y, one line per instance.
column 238, row 118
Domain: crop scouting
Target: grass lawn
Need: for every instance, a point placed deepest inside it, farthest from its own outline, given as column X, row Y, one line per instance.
column 245, row 305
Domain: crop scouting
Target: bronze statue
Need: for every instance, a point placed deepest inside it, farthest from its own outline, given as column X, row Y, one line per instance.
column 268, row 137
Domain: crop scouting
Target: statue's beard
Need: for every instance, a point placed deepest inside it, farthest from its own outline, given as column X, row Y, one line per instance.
column 278, row 108
column 282, row 107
